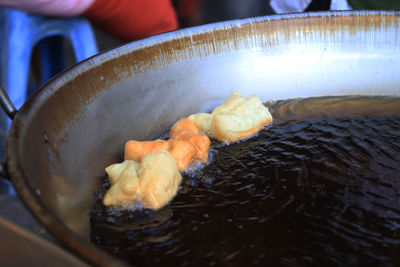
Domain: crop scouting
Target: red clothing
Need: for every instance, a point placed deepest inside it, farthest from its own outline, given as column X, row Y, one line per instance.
column 132, row 19
column 186, row 8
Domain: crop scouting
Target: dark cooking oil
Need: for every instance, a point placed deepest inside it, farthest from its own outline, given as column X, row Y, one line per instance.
column 320, row 186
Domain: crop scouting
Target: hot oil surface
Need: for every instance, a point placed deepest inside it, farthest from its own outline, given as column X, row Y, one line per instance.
column 322, row 185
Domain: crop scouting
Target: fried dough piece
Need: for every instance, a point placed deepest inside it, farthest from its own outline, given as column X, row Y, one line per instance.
column 202, row 144
column 185, row 129
column 125, row 183
column 233, row 101
column 135, row 150
column 160, row 179
column 203, row 122
column 186, row 145
column 236, row 119
column 239, row 118
column 151, row 183
column 183, row 152
column 114, row 170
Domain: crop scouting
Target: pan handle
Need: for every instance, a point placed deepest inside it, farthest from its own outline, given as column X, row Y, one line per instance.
column 6, row 104
column 10, row 110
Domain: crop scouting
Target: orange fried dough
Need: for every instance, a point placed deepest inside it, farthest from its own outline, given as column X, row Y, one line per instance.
column 186, row 145
column 183, row 129
column 136, row 150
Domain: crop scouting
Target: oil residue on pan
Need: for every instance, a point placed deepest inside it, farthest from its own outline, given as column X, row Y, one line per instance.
column 320, row 186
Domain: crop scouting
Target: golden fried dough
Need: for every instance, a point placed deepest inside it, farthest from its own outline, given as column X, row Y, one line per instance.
column 186, row 145
column 152, row 183
column 160, row 179
column 237, row 118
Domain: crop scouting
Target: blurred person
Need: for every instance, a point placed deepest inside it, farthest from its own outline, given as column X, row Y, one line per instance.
column 190, row 12
column 288, row 6
column 124, row 19
column 197, row 12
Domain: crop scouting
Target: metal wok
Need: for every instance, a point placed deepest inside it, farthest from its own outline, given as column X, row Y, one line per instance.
column 75, row 125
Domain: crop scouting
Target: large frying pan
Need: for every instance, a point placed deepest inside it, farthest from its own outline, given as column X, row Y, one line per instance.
column 69, row 130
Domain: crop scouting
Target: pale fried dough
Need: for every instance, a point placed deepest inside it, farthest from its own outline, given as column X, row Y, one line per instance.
column 233, row 101
column 115, row 170
column 237, row 118
column 152, row 183
column 240, row 120
column 125, row 183
column 203, row 122
column 160, row 179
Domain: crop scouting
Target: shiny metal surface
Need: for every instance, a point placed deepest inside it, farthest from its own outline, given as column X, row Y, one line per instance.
column 75, row 125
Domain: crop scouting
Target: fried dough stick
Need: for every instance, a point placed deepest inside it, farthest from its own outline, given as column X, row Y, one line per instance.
column 186, row 145
column 236, row 119
column 150, row 173
column 152, row 183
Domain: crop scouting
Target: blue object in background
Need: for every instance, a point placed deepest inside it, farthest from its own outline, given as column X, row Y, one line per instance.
column 19, row 33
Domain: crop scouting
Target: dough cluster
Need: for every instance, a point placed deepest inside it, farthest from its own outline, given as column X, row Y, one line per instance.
column 152, row 183
column 236, row 119
column 149, row 175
